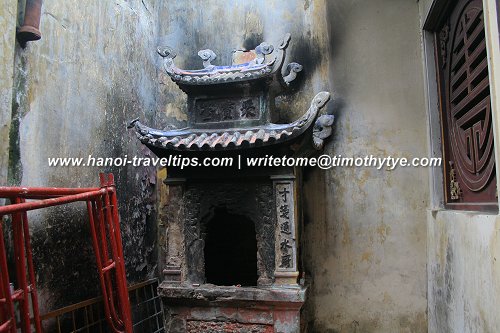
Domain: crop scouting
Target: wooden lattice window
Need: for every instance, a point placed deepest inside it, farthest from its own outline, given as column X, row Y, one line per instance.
column 464, row 89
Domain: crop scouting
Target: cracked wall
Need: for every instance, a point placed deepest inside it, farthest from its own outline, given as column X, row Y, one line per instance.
column 73, row 94
column 8, row 12
column 96, row 68
column 365, row 233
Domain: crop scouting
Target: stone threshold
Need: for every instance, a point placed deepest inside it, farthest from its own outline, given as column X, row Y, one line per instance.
column 279, row 297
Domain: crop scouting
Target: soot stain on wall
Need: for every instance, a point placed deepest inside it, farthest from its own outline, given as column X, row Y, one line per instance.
column 63, row 256
column 252, row 40
column 306, row 51
column 136, row 187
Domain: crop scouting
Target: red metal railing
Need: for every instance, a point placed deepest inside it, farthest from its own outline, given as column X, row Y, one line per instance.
column 106, row 240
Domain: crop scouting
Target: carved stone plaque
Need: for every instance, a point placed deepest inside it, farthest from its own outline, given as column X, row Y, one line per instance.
column 286, row 249
column 227, row 109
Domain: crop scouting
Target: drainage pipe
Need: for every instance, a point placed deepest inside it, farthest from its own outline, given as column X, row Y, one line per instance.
column 30, row 30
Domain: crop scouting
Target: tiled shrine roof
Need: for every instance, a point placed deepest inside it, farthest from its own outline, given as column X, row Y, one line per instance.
column 230, row 107
column 231, row 138
column 262, row 62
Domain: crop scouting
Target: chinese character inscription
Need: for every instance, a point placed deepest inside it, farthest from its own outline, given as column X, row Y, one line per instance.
column 285, row 235
column 228, row 109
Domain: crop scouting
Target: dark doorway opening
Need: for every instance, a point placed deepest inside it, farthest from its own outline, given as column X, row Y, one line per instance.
column 230, row 250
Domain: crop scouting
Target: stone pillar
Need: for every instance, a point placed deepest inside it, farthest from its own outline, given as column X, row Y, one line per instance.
column 172, row 238
column 286, row 271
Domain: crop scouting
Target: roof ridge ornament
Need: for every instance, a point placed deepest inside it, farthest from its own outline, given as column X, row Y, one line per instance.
column 207, row 56
column 262, row 50
column 291, row 71
column 232, row 107
column 236, row 138
column 267, row 62
column 168, row 55
column 284, row 41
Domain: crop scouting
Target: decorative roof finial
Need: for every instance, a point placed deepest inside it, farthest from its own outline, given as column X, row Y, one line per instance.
column 207, row 56
column 262, row 50
column 236, row 110
column 291, row 72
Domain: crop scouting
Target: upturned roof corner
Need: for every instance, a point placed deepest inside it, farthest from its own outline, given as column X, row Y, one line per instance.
column 232, row 107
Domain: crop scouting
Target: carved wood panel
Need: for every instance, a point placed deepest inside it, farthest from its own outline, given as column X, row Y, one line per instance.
column 469, row 162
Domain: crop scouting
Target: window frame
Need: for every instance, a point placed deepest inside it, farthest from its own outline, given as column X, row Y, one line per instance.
column 433, row 19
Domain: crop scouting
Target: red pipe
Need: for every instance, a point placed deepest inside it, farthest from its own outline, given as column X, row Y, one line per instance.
column 106, row 240
column 31, row 274
column 31, row 26
column 5, row 327
column 9, row 209
column 93, row 219
column 41, row 192
column 8, row 311
column 20, row 257
column 114, row 255
column 112, row 217
column 121, row 274
column 109, row 300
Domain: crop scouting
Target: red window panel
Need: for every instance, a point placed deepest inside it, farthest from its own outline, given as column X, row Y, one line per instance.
column 468, row 145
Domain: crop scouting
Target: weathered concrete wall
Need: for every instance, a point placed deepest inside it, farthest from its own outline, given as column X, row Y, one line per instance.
column 464, row 273
column 366, row 228
column 189, row 26
column 365, row 237
column 8, row 13
column 463, row 247
column 75, row 90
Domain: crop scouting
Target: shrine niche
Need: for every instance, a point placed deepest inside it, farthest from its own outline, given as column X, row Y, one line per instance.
column 230, row 236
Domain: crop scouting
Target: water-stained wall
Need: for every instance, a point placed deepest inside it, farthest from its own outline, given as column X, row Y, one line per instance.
column 8, row 12
column 96, row 67
column 366, row 228
column 463, row 272
column 463, row 247
column 74, row 91
column 223, row 26
column 365, row 232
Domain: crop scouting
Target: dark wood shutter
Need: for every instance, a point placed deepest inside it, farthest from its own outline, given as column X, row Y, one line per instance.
column 469, row 159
